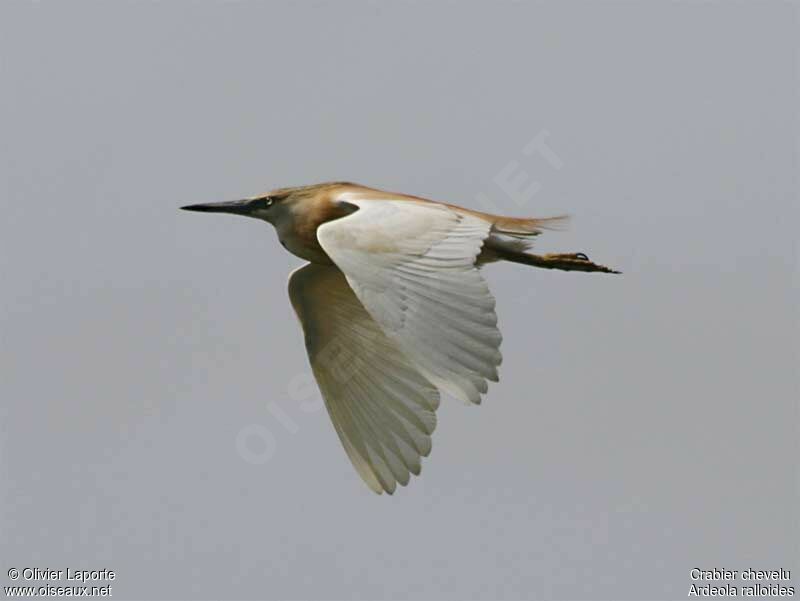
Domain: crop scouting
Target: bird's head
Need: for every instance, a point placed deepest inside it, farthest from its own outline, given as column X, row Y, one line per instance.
column 274, row 205
column 266, row 207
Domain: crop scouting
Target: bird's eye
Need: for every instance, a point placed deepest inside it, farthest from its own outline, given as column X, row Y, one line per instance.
column 269, row 201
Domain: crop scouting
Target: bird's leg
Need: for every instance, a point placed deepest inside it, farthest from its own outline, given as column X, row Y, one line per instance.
column 570, row 262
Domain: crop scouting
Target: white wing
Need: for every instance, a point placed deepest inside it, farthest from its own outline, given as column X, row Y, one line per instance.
column 383, row 409
column 412, row 265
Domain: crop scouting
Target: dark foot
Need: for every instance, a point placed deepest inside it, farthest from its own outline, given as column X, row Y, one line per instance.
column 574, row 262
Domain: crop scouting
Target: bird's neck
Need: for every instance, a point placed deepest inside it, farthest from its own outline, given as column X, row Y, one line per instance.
column 297, row 223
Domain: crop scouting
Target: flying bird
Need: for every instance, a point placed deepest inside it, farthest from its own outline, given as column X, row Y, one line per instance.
column 394, row 308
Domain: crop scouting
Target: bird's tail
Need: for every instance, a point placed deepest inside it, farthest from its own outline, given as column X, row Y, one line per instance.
column 524, row 227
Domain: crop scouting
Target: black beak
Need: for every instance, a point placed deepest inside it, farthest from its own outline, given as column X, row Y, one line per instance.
column 235, row 207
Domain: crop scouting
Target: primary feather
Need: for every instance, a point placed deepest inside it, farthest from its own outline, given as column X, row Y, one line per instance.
column 383, row 409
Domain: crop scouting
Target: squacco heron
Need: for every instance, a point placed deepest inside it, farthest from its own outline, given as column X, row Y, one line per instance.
column 394, row 308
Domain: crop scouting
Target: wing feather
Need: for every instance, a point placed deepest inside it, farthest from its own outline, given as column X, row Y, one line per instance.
column 412, row 266
column 383, row 409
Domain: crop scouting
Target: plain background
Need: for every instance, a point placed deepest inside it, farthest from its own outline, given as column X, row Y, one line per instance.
column 156, row 417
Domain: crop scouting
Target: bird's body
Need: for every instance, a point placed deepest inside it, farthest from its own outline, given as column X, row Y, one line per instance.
column 300, row 211
column 394, row 308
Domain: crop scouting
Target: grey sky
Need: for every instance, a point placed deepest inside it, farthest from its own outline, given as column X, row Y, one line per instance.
column 644, row 424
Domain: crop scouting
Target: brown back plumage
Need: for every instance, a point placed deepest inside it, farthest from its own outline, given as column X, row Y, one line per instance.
column 511, row 226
